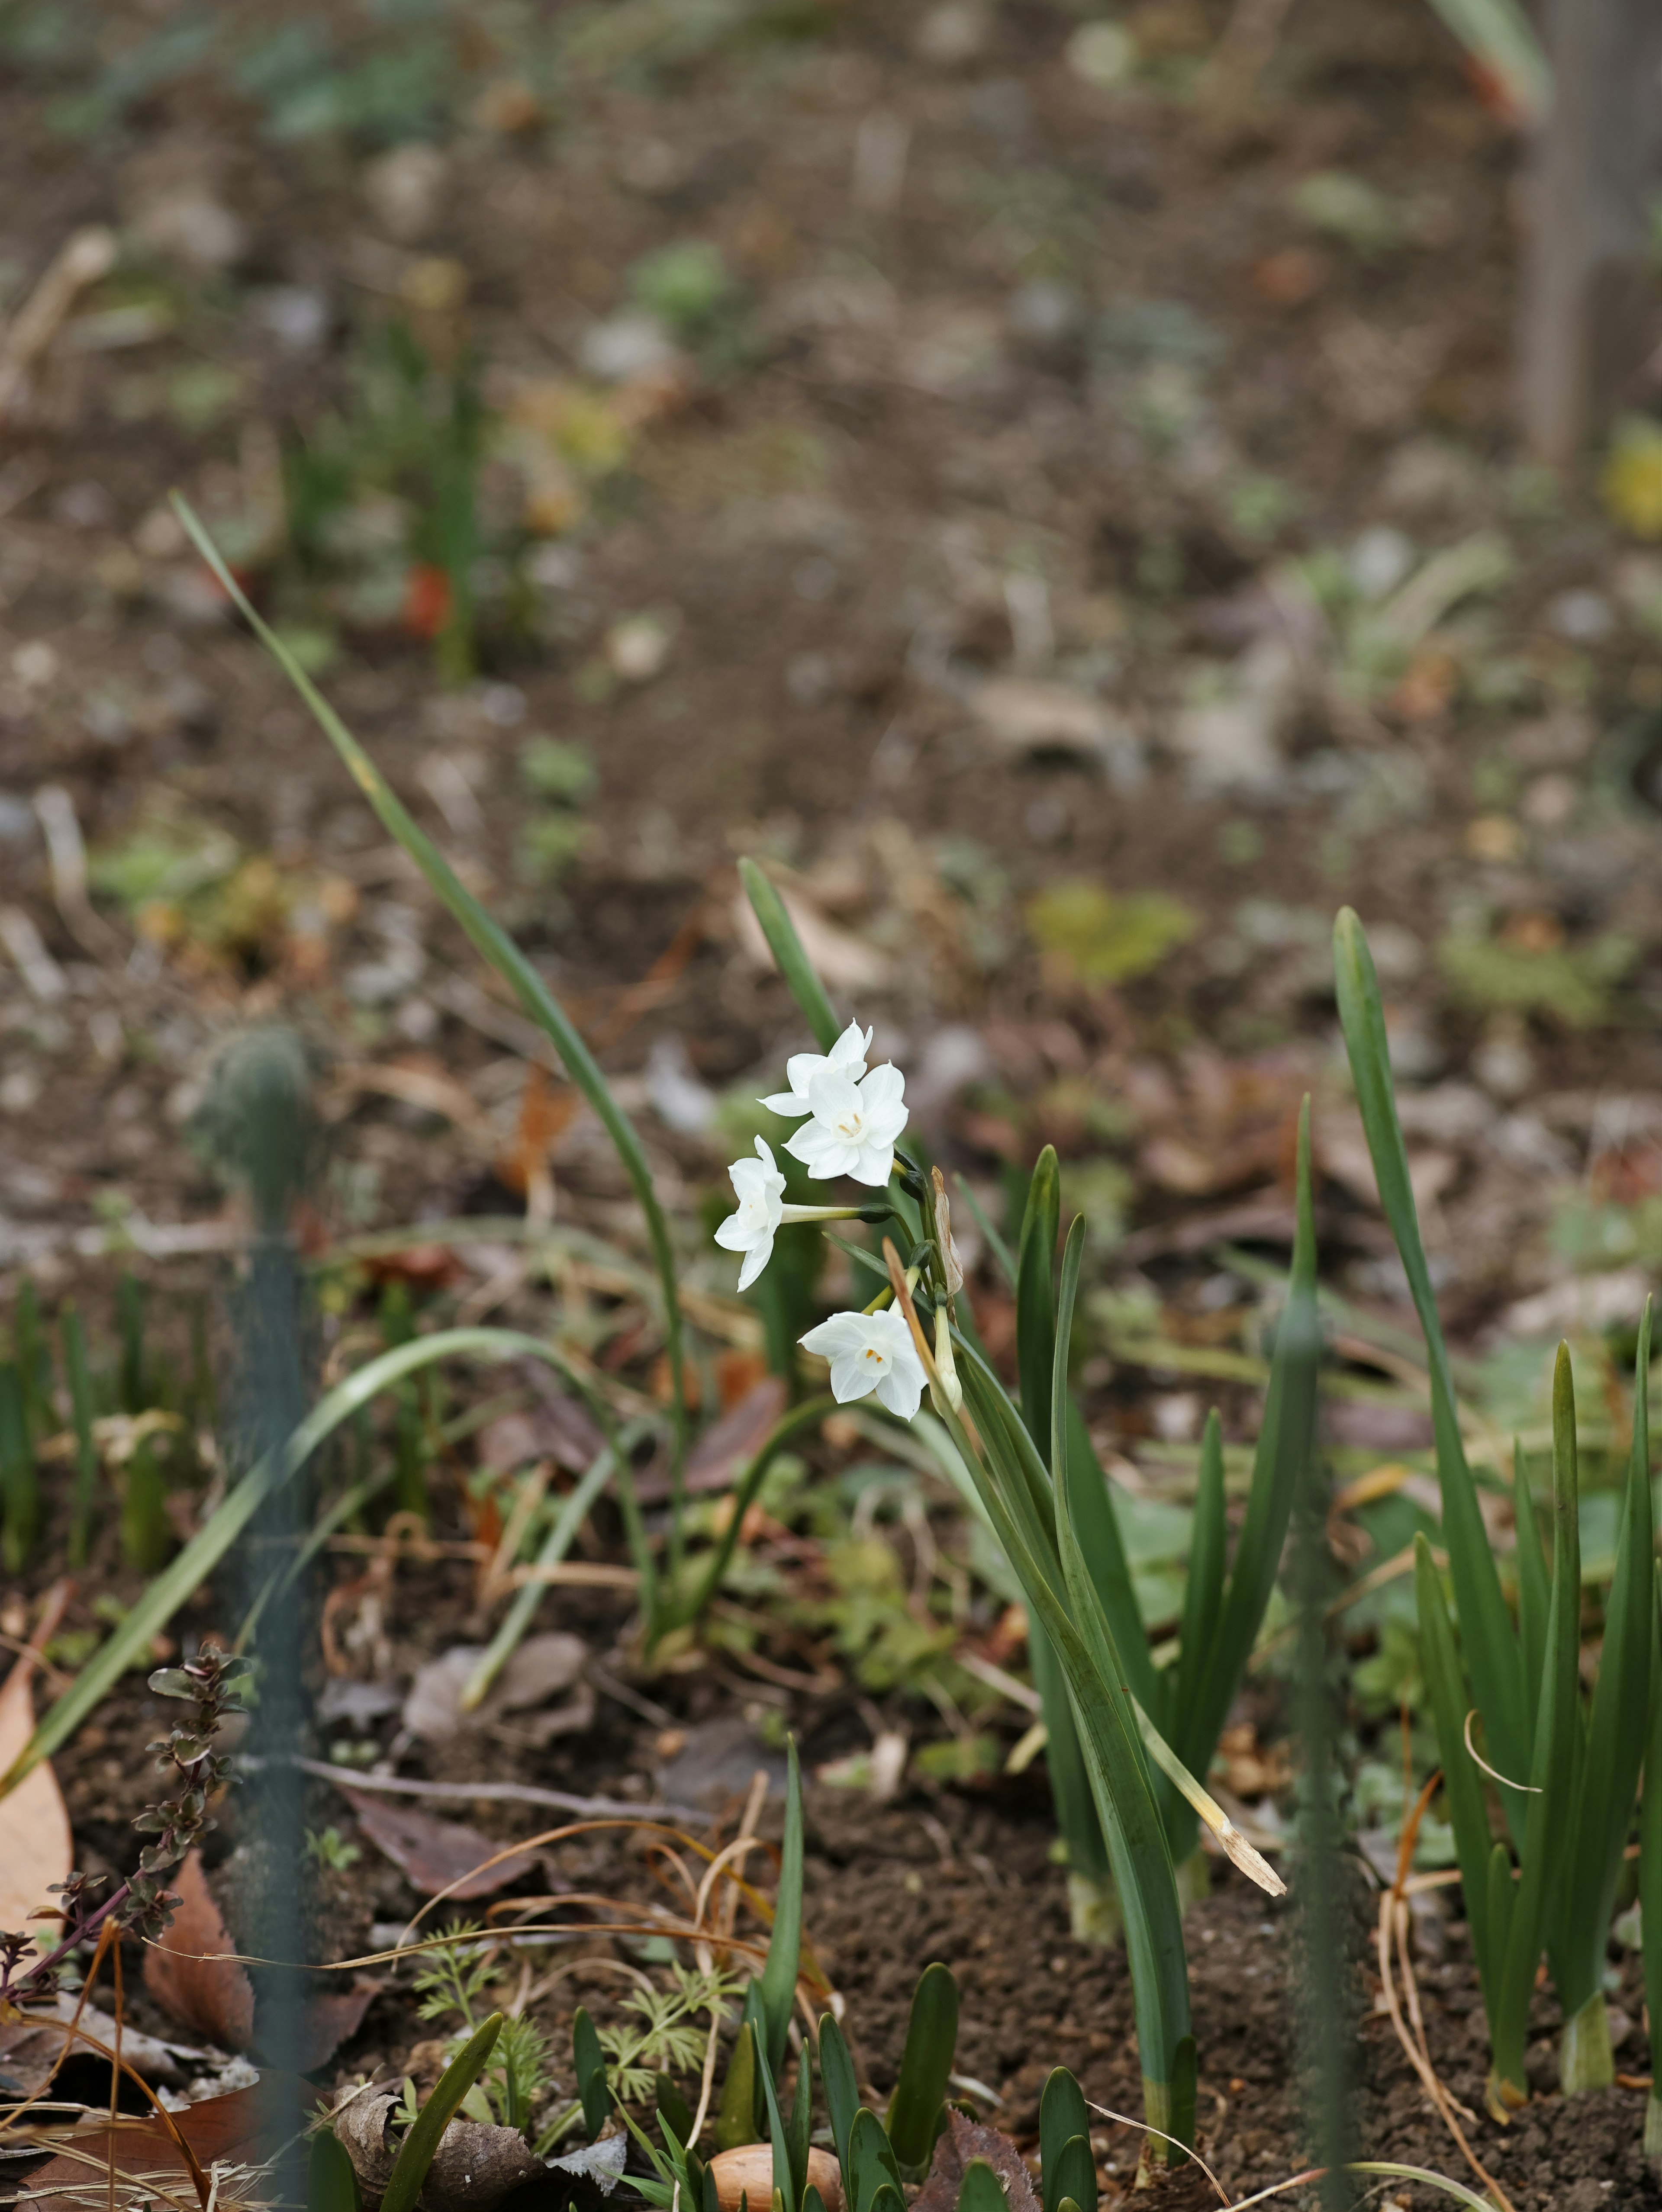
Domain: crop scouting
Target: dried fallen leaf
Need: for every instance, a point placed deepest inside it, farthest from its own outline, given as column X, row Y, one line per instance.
column 186, row 1971
column 722, row 1452
column 961, row 2141
column 432, row 1854
column 32, row 2045
column 240, row 2129
column 36, row 1847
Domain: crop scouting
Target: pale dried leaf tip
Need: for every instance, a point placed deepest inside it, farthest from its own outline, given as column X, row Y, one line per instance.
column 1250, row 1861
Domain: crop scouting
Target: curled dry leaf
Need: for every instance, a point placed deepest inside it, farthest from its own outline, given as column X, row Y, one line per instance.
column 36, row 1846
column 432, row 1854
column 959, row 2141
column 476, row 2165
column 540, row 1666
column 360, row 2123
column 718, row 1459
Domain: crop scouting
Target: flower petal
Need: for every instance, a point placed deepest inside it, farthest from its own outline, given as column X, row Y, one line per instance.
column 735, row 1234
column 901, row 1388
column 785, row 1103
column 755, row 1260
column 872, row 1165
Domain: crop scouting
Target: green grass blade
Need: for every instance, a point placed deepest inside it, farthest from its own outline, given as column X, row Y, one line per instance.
column 421, row 2145
column 1491, row 1647
column 1061, row 2116
column 799, row 2123
column 1617, row 1728
column 1549, row 1803
column 1650, row 1859
column 1070, row 1785
column 995, row 1244
column 1202, row 1596
column 1112, row 1739
column 588, row 2069
column 1035, row 1332
column 1445, row 1680
column 1285, row 1439
column 1534, row 1585
column 20, row 1493
column 1104, row 1555
column 495, row 946
column 842, row 2092
column 914, row 2113
column 575, row 1510
column 785, row 2187
column 786, row 946
column 808, row 1415
column 1457, row 2190
column 78, row 1376
column 185, row 1574
column 777, row 1979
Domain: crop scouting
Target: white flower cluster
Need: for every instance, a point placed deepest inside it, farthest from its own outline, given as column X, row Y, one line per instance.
column 851, row 1117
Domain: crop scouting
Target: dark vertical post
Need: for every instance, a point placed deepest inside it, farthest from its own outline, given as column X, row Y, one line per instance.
column 1587, row 281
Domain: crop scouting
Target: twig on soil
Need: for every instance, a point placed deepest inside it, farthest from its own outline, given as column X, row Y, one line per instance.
column 504, row 1793
column 85, row 258
column 1149, row 2128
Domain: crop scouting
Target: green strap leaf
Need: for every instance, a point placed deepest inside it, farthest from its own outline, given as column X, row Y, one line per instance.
column 842, row 2096
column 588, row 2065
column 1070, row 1785
column 1285, row 1438
column 1617, row 1728
column 1650, row 1837
column 331, row 2182
column 926, row 2063
column 1076, row 2175
column 1035, row 1332
column 1061, row 2116
column 1461, row 1783
column 871, row 2161
column 980, row 2189
column 420, row 2147
column 1491, row 1649
column 1104, row 1555
column 1202, row 1596
column 1550, row 1801
column 1534, row 1586
column 735, row 2116
column 786, row 946
column 495, row 946
column 777, row 1983
column 1112, row 1741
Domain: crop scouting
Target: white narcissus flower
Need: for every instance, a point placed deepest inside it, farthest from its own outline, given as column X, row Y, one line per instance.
column 760, row 1190
column 847, row 1056
column 870, row 1352
column 852, row 1126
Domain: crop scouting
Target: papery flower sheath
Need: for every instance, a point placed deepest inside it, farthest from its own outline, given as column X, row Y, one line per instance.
column 760, row 1190
column 870, row 1354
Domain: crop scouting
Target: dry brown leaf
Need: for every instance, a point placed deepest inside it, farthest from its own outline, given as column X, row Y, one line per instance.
column 432, row 1854
column 210, row 1993
column 36, row 1846
column 961, row 2141
column 240, row 2129
column 720, row 1454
